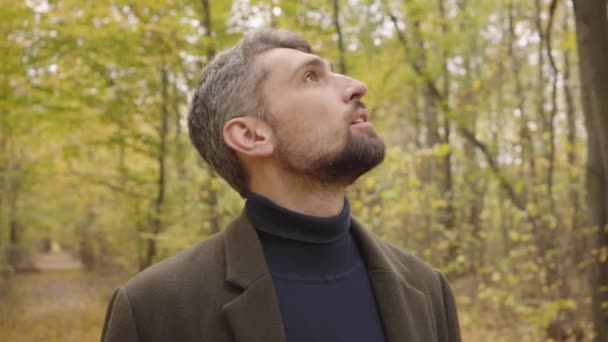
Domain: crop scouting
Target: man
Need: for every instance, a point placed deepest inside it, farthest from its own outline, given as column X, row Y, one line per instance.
column 290, row 135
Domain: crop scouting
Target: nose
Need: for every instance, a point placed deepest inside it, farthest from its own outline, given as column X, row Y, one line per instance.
column 355, row 90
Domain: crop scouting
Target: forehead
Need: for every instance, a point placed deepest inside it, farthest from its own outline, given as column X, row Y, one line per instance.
column 282, row 55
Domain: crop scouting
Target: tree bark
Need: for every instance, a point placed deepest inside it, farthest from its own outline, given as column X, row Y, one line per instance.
column 592, row 38
column 180, row 148
column 448, row 212
column 526, row 143
column 210, row 191
column 13, row 221
column 553, row 113
column 342, row 62
column 545, row 239
column 3, row 170
column 163, row 132
column 578, row 248
column 474, row 184
column 208, row 29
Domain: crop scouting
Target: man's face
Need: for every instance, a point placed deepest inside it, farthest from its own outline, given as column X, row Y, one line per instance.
column 321, row 130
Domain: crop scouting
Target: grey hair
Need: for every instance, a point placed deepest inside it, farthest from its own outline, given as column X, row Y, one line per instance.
column 229, row 88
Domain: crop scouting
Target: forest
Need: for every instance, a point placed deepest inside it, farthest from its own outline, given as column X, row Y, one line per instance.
column 494, row 114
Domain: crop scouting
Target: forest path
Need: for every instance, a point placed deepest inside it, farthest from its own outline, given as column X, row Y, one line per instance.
column 57, row 261
column 60, row 302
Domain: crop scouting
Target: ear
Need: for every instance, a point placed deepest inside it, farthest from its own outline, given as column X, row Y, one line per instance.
column 249, row 136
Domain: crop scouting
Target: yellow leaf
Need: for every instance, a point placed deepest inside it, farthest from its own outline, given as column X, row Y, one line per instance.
column 476, row 84
column 514, row 236
column 603, row 254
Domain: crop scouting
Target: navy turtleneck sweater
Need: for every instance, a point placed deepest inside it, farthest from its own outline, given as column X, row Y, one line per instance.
column 321, row 282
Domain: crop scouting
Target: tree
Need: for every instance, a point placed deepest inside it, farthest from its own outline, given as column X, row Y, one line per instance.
column 592, row 37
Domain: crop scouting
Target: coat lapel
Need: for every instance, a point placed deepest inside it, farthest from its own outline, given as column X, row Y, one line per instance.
column 403, row 308
column 254, row 315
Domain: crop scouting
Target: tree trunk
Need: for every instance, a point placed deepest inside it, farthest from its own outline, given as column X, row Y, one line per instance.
column 157, row 222
column 473, row 184
column 578, row 248
column 592, row 38
column 3, row 171
column 180, row 148
column 553, row 112
column 447, row 180
column 342, row 62
column 527, row 145
column 208, row 29
column 209, row 192
column 13, row 221
column 544, row 236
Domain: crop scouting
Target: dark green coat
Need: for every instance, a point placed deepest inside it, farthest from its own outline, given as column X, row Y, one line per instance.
column 220, row 290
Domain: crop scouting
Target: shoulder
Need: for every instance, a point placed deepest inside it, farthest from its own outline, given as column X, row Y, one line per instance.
column 202, row 263
column 172, row 299
column 430, row 282
column 411, row 268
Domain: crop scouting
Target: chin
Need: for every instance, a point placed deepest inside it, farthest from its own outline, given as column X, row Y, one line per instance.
column 359, row 156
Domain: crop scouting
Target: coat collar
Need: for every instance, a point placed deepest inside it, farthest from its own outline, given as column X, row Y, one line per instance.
column 403, row 308
column 254, row 316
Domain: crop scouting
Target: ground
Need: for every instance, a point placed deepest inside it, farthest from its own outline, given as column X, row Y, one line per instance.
column 61, row 302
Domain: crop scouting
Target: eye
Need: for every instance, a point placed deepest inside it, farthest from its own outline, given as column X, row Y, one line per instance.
column 310, row 76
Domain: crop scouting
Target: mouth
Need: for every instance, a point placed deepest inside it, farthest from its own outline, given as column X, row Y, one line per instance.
column 360, row 117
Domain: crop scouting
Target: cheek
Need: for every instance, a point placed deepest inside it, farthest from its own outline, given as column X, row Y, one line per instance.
column 311, row 139
column 308, row 123
column 325, row 132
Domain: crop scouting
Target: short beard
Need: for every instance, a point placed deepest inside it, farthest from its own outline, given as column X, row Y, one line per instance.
column 358, row 155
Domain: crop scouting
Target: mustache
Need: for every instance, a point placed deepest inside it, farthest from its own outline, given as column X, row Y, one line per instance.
column 357, row 106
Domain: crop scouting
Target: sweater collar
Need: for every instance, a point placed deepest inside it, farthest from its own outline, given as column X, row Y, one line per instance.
column 273, row 219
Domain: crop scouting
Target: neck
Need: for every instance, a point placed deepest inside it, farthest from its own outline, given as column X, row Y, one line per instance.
column 302, row 196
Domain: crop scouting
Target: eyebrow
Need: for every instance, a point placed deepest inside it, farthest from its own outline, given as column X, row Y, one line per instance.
column 313, row 61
